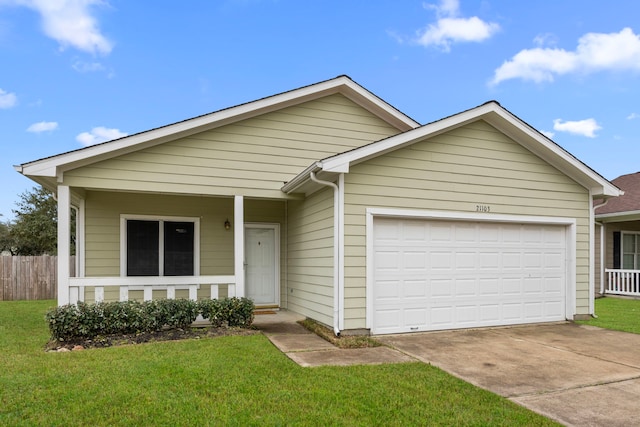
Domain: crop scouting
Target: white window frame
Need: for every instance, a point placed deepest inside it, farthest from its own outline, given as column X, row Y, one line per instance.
column 636, row 253
column 161, row 220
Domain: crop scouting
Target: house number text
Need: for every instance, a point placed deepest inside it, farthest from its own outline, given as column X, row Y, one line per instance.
column 483, row 208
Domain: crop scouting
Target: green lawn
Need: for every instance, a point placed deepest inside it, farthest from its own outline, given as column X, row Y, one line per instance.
column 235, row 380
column 620, row 314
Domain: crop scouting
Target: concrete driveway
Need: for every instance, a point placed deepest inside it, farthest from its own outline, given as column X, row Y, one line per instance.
column 577, row 375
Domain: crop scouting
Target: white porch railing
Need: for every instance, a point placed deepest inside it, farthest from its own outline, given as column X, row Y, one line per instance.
column 148, row 284
column 623, row 282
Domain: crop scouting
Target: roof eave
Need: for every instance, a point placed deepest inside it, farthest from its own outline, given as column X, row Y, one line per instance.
column 54, row 165
column 618, row 216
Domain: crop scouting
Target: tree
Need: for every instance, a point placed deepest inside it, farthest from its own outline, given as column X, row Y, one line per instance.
column 5, row 237
column 34, row 231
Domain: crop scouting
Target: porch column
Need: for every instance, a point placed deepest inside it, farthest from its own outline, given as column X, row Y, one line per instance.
column 64, row 243
column 238, row 243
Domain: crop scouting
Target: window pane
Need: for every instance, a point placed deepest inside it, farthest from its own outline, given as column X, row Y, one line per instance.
column 627, row 261
column 178, row 248
column 628, row 243
column 142, row 248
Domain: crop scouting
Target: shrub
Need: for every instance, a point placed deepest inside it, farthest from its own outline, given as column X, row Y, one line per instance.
column 232, row 311
column 237, row 311
column 86, row 321
column 211, row 309
column 175, row 313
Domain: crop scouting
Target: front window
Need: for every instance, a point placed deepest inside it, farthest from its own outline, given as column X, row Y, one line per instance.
column 631, row 251
column 159, row 247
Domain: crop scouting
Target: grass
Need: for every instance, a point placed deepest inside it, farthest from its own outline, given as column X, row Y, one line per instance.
column 231, row 380
column 345, row 341
column 620, row 314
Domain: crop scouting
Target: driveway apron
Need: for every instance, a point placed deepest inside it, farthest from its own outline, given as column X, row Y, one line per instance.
column 575, row 374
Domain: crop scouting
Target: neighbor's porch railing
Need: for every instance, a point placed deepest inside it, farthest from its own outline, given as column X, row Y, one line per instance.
column 148, row 284
column 623, row 282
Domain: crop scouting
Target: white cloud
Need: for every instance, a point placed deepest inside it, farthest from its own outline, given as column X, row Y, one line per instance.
column 595, row 52
column 586, row 127
column 633, row 116
column 546, row 39
column 70, row 23
column 548, row 133
column 7, row 99
column 99, row 134
column 42, row 127
column 450, row 28
column 87, row 67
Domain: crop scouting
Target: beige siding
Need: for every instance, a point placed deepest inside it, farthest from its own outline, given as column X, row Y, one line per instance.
column 470, row 166
column 103, row 210
column 252, row 158
column 310, row 256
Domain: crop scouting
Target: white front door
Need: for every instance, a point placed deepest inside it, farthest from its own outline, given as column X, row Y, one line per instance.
column 262, row 259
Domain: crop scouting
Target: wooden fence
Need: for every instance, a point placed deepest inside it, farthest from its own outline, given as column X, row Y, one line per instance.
column 30, row 277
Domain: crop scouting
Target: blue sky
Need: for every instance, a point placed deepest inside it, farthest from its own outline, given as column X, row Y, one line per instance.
column 78, row 72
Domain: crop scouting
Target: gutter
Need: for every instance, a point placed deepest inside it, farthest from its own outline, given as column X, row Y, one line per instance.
column 338, row 283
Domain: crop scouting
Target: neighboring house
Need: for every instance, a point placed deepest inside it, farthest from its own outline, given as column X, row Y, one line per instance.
column 329, row 202
column 617, row 242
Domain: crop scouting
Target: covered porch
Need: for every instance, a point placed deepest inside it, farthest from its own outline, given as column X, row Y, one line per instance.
column 205, row 257
column 618, row 244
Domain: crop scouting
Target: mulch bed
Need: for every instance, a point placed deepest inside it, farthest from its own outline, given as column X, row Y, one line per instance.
column 141, row 338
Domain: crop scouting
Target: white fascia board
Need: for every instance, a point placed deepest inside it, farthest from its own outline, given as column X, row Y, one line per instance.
column 301, row 178
column 51, row 166
column 503, row 120
column 371, row 102
column 619, row 216
column 550, row 152
column 394, row 142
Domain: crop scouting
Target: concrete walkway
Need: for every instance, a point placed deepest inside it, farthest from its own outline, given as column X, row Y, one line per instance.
column 577, row 375
column 308, row 349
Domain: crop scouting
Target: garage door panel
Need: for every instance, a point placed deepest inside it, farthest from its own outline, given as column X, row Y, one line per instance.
column 431, row 275
column 441, row 288
column 466, row 287
column 489, row 287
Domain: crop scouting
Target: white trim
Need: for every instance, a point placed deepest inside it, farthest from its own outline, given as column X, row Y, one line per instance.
column 81, row 239
column 592, row 248
column 64, row 245
column 619, row 216
column 238, row 244
column 156, row 282
column 52, row 166
column 570, row 223
column 336, row 249
column 161, row 219
column 498, row 117
column 636, row 254
column 340, row 212
column 276, row 232
column 603, row 234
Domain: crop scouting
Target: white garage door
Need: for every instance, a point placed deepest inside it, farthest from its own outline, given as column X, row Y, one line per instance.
column 431, row 275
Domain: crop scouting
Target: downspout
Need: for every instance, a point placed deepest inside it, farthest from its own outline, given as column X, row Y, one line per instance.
column 592, row 215
column 336, row 250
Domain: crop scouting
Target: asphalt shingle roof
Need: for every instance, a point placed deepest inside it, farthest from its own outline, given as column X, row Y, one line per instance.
column 629, row 201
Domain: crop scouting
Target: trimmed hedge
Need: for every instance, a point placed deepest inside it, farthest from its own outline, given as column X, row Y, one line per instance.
column 87, row 321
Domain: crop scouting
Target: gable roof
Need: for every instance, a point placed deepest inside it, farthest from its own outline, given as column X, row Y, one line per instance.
column 46, row 171
column 491, row 112
column 626, row 205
